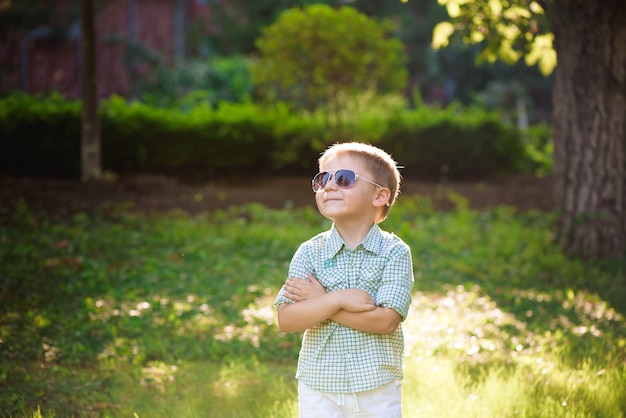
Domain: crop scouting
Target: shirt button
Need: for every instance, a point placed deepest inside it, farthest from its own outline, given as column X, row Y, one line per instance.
column 352, row 264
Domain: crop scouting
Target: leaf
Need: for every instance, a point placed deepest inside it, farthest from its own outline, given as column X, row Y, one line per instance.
column 536, row 8
column 516, row 12
column 542, row 53
column 453, row 9
column 547, row 63
column 476, row 37
column 508, row 54
column 441, row 34
column 496, row 7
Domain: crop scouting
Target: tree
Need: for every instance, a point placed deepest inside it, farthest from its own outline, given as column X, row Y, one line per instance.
column 91, row 165
column 321, row 58
column 24, row 19
column 589, row 122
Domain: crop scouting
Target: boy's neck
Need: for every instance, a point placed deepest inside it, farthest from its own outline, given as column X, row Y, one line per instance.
column 353, row 234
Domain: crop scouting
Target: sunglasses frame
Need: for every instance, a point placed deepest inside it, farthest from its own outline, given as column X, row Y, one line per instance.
column 317, row 186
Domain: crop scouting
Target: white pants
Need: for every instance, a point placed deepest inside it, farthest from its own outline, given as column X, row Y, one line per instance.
column 384, row 401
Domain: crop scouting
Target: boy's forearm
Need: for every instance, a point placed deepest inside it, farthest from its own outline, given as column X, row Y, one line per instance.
column 379, row 321
column 294, row 317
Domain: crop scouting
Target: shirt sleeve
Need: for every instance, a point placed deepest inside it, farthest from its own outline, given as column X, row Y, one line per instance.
column 299, row 267
column 397, row 282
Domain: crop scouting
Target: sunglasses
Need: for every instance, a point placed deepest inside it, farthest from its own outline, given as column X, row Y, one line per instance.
column 344, row 179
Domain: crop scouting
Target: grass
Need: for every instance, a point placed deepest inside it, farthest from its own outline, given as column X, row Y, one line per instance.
column 122, row 315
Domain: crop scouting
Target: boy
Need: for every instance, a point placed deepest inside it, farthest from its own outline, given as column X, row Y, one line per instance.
column 349, row 289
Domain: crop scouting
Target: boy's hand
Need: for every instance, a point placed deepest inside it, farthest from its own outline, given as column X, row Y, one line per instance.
column 356, row 300
column 352, row 300
column 299, row 289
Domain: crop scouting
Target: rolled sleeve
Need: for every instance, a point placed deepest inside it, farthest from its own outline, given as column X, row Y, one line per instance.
column 299, row 267
column 397, row 282
column 281, row 298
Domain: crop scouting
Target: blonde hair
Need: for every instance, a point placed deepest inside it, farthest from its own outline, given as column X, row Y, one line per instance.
column 380, row 163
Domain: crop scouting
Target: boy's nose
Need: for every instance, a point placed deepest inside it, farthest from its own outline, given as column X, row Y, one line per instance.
column 330, row 184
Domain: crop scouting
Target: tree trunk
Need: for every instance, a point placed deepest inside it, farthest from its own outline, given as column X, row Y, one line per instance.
column 91, row 165
column 590, row 127
column 180, row 32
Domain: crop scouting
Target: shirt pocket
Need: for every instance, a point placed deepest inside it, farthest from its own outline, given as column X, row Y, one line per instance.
column 332, row 279
column 371, row 276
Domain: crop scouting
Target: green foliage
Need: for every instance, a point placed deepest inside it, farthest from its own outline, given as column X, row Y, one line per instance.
column 191, row 82
column 455, row 66
column 320, row 57
column 539, row 149
column 240, row 23
column 41, row 136
column 171, row 315
column 241, row 388
column 414, row 21
column 195, row 144
column 507, row 30
column 452, row 142
column 82, row 290
column 213, row 78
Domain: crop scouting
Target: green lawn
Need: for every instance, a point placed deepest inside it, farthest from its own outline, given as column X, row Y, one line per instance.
column 123, row 315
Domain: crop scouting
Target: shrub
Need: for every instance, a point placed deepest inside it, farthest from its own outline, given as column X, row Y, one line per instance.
column 41, row 137
column 453, row 142
column 539, row 149
column 193, row 145
column 201, row 80
column 320, row 57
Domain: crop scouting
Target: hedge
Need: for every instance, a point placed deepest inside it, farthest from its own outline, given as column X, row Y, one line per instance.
column 41, row 138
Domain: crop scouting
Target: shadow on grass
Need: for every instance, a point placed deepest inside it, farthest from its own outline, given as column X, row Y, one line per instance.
column 92, row 305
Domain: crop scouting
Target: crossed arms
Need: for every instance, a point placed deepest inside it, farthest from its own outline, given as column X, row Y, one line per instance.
column 353, row 308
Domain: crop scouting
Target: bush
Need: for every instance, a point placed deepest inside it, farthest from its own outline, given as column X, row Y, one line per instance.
column 453, row 142
column 346, row 54
column 201, row 80
column 539, row 149
column 41, row 137
column 193, row 145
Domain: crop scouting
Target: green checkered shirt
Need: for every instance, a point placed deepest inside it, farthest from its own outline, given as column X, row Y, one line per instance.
column 335, row 358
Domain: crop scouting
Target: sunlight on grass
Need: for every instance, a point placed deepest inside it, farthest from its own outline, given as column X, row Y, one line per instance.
column 435, row 387
column 171, row 315
column 238, row 389
column 466, row 357
column 473, row 327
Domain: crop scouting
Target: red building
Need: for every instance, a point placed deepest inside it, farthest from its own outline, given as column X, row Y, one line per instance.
column 129, row 34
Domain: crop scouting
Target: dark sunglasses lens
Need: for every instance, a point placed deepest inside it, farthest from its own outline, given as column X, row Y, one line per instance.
column 320, row 180
column 345, row 178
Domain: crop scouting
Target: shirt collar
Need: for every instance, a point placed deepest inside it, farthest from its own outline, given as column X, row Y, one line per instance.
column 335, row 243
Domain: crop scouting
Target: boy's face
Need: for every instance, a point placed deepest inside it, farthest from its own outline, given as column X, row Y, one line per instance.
column 358, row 204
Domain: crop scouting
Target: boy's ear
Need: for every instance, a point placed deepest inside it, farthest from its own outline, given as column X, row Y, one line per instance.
column 382, row 197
